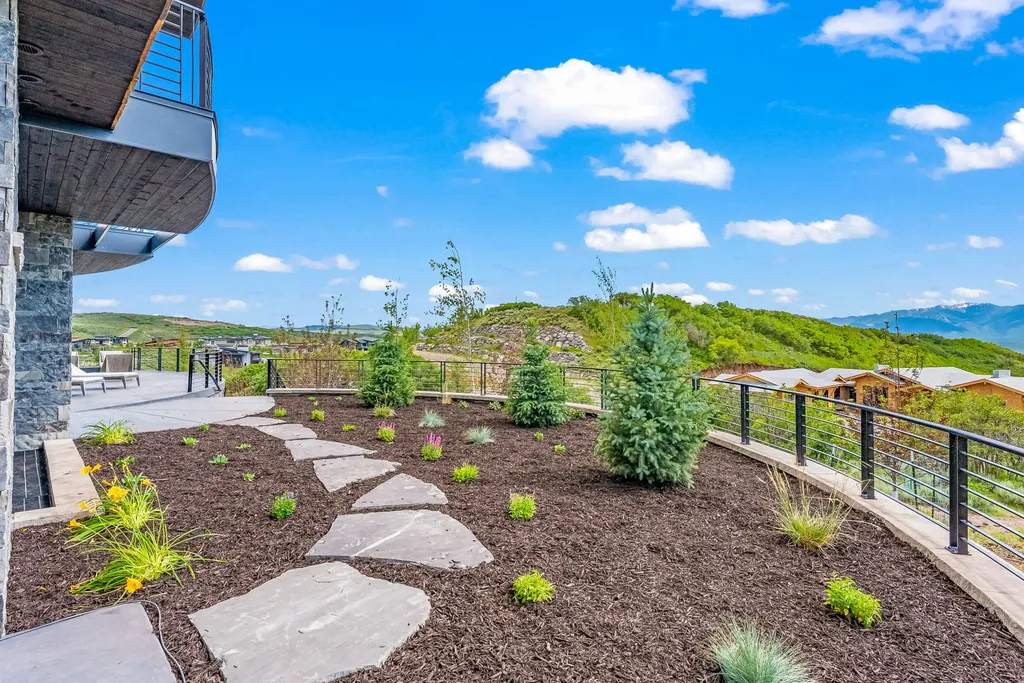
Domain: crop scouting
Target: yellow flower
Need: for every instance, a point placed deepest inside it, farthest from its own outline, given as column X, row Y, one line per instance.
column 95, row 468
column 146, row 482
column 116, row 493
column 87, row 470
column 106, row 483
column 132, row 585
column 74, row 524
column 84, row 505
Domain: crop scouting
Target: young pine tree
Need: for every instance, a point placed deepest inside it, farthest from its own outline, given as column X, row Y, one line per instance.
column 656, row 423
column 536, row 393
column 389, row 379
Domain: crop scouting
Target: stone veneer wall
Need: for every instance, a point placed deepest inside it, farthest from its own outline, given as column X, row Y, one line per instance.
column 42, row 377
column 9, row 255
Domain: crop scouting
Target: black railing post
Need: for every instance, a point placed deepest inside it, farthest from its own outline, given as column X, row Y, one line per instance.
column 159, row 358
column 958, row 492
column 177, row 359
column 604, row 385
column 206, row 370
column 801, row 429
column 191, row 369
column 270, row 373
column 867, row 454
column 744, row 413
column 442, row 377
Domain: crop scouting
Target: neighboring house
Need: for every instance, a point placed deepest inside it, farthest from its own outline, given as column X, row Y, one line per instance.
column 109, row 153
column 1001, row 384
column 364, row 343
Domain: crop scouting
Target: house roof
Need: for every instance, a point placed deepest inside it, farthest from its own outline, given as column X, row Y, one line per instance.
column 937, row 378
column 1011, row 383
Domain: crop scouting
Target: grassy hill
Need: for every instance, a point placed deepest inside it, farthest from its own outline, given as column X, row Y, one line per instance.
column 726, row 335
column 149, row 327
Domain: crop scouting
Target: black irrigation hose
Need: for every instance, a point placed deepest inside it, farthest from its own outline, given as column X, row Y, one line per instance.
column 159, row 630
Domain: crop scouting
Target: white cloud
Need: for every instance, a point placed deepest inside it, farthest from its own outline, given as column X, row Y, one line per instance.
column 1007, row 283
column 178, row 241
column 814, row 307
column 235, row 223
column 340, row 261
column 680, row 290
column 334, row 282
column 257, row 132
column 98, row 303
column 212, row 306
column 940, row 246
column 968, row 293
column 974, row 156
column 927, row 117
column 382, row 190
column 559, row 246
column 372, row 283
column 910, row 158
column 979, row 242
column 530, row 294
column 898, row 29
column 167, row 299
column 403, row 222
column 720, row 286
column 695, row 299
column 914, row 264
column 663, row 265
column 784, row 295
column 263, row 263
column 931, row 294
column 672, row 229
column 994, row 49
column 787, row 233
column 737, row 9
column 755, row 292
column 440, row 289
column 672, row 161
column 499, row 153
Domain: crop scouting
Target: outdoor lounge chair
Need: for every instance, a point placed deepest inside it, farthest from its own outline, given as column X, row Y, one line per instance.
column 118, row 367
column 81, row 378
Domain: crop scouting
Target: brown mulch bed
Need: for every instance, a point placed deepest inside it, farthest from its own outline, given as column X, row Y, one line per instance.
column 643, row 576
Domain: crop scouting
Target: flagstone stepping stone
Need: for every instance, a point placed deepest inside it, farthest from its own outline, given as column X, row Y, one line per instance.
column 425, row 537
column 401, row 490
column 338, row 473
column 288, row 432
column 252, row 422
column 313, row 449
column 310, row 625
column 102, row 646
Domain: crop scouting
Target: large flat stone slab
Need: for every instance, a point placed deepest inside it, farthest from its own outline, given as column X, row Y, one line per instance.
column 252, row 422
column 108, row 645
column 425, row 537
column 401, row 490
column 311, row 625
column 288, row 432
column 338, row 473
column 314, row 449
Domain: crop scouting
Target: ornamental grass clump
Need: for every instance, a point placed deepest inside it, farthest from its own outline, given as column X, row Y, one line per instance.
column 128, row 502
column 464, row 473
column 388, row 380
column 479, row 435
column 521, row 506
column 536, row 391
column 280, row 412
column 431, row 450
column 845, row 599
column 117, row 433
column 745, row 654
column 431, row 419
column 317, row 416
column 804, row 524
column 656, row 422
column 283, row 506
column 532, row 587
column 386, row 432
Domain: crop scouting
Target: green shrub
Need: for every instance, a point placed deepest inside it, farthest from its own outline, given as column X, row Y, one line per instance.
column 243, row 446
column 656, row 423
column 479, row 435
column 800, row 521
column 383, row 411
column 190, row 441
column 386, row 432
column 495, row 406
column 431, row 419
column 104, row 433
column 248, row 381
column 465, row 473
column 248, row 476
column 314, row 399
column 843, row 596
column 348, row 428
column 339, row 398
column 539, row 436
column 389, row 379
column 317, row 416
column 536, row 391
column 283, row 506
column 521, row 506
column 559, row 448
column 218, row 459
column 744, row 654
column 532, row 587
column 463, row 404
column 204, row 428
column 431, row 450
column 280, row 412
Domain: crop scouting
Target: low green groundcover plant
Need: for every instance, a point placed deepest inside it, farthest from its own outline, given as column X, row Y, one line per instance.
column 463, row 404
column 539, row 436
column 248, row 476
column 219, row 459
column 348, row 428
column 495, row 406
column 314, row 399
column 104, row 433
column 190, row 441
column 431, row 450
column 244, row 447
column 521, row 506
column 204, row 428
column 843, row 596
column 280, row 412
column 431, row 419
column 745, row 654
column 479, row 435
column 386, row 432
column 465, row 472
column 283, row 506
column 317, row 416
column 383, row 411
column 559, row 448
column 800, row 521
column 532, row 587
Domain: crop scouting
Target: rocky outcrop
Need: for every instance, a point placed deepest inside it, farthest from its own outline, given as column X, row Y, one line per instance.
column 549, row 335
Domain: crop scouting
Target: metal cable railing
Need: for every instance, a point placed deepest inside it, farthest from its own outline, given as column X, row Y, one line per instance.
column 179, row 64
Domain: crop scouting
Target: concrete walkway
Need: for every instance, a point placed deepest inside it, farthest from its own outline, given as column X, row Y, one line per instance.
column 155, row 386
column 174, row 414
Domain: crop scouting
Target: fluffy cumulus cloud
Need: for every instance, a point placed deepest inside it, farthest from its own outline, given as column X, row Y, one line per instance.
column 1007, row 283
column 994, row 49
column 737, row 9
column 382, row 190
column 529, row 294
column 500, row 153
column 1006, row 151
column 439, row 290
column 720, row 286
column 372, row 283
column 755, row 292
column 968, row 293
column 98, row 303
column 340, row 261
column 784, row 295
column 672, row 229
column 788, row 233
column 261, row 263
column 908, row 28
column 979, row 242
column 674, row 161
column 211, row 307
column 927, row 117
column 680, row 290
column 167, row 299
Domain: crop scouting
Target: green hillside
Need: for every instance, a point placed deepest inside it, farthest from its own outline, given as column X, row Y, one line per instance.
column 726, row 335
column 154, row 326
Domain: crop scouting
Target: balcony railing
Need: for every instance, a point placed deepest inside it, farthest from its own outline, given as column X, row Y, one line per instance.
column 179, row 65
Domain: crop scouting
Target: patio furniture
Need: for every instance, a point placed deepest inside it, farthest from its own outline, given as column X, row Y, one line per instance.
column 81, row 378
column 117, row 361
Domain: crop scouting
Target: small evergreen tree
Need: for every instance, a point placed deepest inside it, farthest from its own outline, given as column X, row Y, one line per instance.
column 536, row 392
column 656, row 423
column 389, row 379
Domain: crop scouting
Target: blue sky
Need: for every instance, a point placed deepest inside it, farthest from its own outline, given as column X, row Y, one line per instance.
column 838, row 157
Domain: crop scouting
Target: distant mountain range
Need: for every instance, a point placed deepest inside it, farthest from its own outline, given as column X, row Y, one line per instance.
column 1003, row 325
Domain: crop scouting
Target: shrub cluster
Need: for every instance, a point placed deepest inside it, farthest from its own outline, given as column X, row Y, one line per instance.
column 348, row 428
column 532, row 587
column 190, row 441
column 204, row 428
column 218, row 459
column 465, row 472
column 317, row 416
column 280, row 412
column 386, row 432
column 843, row 596
column 431, row 450
column 521, row 506
column 559, row 448
column 383, row 411
column 283, row 506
